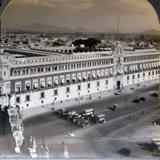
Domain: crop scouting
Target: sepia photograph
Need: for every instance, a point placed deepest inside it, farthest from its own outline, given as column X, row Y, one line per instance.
column 80, row 79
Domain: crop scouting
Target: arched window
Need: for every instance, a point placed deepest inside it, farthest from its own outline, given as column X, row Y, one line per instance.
column 18, row 72
column 42, row 69
column 39, row 69
column 14, row 73
column 27, row 71
column 55, row 68
column 23, row 72
column 35, row 70
column 31, row 70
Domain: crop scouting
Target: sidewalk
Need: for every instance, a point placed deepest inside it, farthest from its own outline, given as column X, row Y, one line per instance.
column 81, row 100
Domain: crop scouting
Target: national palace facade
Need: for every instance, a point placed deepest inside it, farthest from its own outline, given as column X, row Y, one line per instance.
column 36, row 81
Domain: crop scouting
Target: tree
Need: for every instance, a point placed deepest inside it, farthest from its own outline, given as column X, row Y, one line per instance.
column 88, row 43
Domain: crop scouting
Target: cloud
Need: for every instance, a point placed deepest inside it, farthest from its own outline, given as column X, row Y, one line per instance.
column 47, row 4
column 44, row 3
column 79, row 5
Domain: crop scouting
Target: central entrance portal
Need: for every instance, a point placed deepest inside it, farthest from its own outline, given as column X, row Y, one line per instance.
column 118, row 85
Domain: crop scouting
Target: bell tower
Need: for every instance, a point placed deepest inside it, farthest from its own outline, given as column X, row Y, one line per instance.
column 118, row 68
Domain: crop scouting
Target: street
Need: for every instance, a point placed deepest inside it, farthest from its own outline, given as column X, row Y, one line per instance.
column 125, row 133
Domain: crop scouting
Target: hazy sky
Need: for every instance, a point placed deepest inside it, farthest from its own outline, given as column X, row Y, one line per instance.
column 95, row 15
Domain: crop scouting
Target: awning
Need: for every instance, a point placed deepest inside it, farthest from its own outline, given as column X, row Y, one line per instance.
column 153, row 65
column 18, row 88
column 144, row 66
column 98, row 74
column 93, row 75
column 111, row 71
column 49, row 83
column 73, row 78
column 126, row 69
column 119, row 73
column 84, row 77
column 131, row 69
column 56, row 81
column 79, row 78
column 62, row 81
column 43, row 84
column 35, row 85
column 134, row 68
column 28, row 84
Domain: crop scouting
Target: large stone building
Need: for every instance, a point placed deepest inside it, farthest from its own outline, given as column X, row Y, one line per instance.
column 46, row 80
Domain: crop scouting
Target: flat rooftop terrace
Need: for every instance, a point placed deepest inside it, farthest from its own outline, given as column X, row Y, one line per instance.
column 30, row 53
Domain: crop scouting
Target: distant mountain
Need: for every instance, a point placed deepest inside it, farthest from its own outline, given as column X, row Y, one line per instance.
column 152, row 32
column 39, row 27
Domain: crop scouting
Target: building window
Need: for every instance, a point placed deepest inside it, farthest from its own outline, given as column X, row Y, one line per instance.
column 133, row 76
column 28, row 86
column 18, row 99
column 55, row 92
column 127, row 77
column 88, row 85
column 68, row 90
column 149, row 73
column 98, row 84
column 49, row 84
column 68, row 81
column 27, row 98
column 143, row 74
column 152, row 72
column 62, row 81
column 106, row 81
column 42, row 84
column 79, row 87
column 138, row 75
column 56, row 82
column 18, row 88
column 42, row 95
column 35, row 85
column 74, row 80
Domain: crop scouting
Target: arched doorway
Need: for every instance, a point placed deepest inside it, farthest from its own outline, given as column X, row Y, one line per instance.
column 118, row 85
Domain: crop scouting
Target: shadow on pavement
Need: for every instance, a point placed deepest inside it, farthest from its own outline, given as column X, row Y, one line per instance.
column 4, row 124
